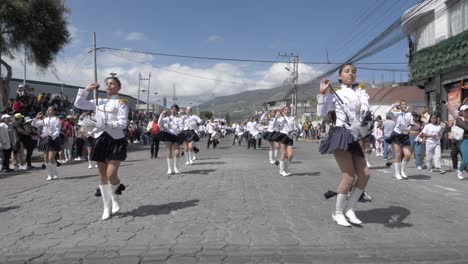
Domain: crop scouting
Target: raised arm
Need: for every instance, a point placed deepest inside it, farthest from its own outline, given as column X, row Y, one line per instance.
column 452, row 111
column 389, row 111
column 82, row 103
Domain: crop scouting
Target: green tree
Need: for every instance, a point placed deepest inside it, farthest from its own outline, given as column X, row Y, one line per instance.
column 37, row 26
column 206, row 115
column 228, row 118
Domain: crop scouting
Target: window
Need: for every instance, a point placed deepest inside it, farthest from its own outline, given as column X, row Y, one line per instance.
column 457, row 16
column 425, row 35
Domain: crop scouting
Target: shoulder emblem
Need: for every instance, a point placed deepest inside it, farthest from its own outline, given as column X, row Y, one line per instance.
column 123, row 101
column 361, row 86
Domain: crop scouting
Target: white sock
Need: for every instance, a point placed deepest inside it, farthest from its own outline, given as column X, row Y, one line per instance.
column 275, row 155
column 189, row 155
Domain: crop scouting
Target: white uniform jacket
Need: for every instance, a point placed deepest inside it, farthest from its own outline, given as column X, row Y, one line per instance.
column 50, row 126
column 403, row 120
column 356, row 103
column 171, row 124
column 191, row 122
column 286, row 124
column 111, row 113
column 271, row 123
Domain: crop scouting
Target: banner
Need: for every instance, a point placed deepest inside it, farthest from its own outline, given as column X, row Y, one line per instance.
column 454, row 99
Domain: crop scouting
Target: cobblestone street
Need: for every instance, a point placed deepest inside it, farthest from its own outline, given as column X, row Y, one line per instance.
column 231, row 206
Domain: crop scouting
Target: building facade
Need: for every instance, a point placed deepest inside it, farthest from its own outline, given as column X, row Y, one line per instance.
column 438, row 50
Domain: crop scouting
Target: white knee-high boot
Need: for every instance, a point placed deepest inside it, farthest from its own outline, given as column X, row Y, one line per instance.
column 115, row 199
column 176, row 165
column 403, row 166
column 191, row 154
column 53, row 171
column 270, row 155
column 398, row 171
column 338, row 216
column 169, row 165
column 275, row 155
column 106, row 193
column 349, row 211
column 187, row 158
column 90, row 163
column 49, row 171
column 286, row 166
column 282, row 171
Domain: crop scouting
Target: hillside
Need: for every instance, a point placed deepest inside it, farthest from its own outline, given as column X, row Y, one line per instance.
column 243, row 105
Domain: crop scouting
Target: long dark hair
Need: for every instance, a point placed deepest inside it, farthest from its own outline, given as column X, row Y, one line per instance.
column 342, row 67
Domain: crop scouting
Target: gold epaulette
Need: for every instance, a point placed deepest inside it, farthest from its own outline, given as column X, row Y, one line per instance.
column 123, row 101
column 361, row 86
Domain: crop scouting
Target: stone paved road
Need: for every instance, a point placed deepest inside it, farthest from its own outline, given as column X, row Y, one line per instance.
column 231, row 207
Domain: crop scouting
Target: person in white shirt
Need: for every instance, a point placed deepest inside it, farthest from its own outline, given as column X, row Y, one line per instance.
column 270, row 135
column 49, row 142
column 191, row 123
column 287, row 128
column 212, row 134
column 343, row 140
column 433, row 133
column 110, row 146
column 6, row 141
column 238, row 132
column 400, row 137
column 172, row 125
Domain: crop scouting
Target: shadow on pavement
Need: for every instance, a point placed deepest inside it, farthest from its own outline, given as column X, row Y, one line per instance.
column 317, row 173
column 80, row 177
column 204, row 172
column 8, row 208
column 146, row 210
column 378, row 168
column 419, row 177
column 133, row 160
column 207, row 158
column 210, row 163
column 296, row 162
column 391, row 217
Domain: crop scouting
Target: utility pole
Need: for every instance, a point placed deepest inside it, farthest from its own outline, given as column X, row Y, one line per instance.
column 25, row 60
column 148, row 92
column 294, row 59
column 139, row 88
column 174, row 98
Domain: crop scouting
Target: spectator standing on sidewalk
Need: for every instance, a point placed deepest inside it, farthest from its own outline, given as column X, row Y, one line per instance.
column 30, row 142
column 18, row 148
column 433, row 133
column 417, row 142
column 7, row 139
column 388, row 126
column 153, row 130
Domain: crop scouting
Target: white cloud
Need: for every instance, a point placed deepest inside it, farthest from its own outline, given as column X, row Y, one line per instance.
column 78, row 70
column 215, row 39
column 135, row 36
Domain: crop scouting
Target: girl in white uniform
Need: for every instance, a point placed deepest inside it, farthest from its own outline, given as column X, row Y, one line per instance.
column 110, row 146
column 172, row 125
column 400, row 137
column 191, row 123
column 49, row 142
column 271, row 134
column 343, row 142
column 287, row 126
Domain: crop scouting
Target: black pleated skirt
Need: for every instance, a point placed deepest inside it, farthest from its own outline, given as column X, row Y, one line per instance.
column 401, row 140
column 168, row 137
column 340, row 138
column 190, row 135
column 270, row 136
column 284, row 139
column 49, row 144
column 106, row 148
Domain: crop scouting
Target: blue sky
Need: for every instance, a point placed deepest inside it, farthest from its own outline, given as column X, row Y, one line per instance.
column 235, row 29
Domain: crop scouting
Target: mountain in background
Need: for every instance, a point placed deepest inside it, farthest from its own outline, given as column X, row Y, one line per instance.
column 243, row 105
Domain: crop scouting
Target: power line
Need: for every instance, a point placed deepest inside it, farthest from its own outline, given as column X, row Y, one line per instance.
column 195, row 76
column 232, row 59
